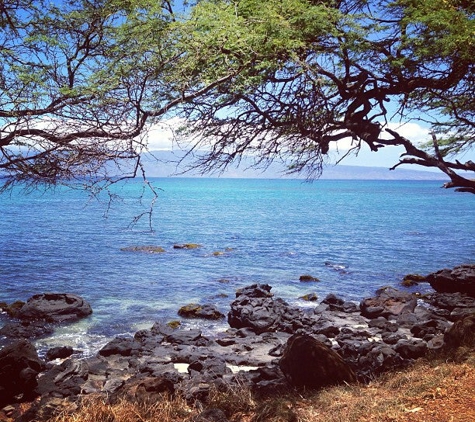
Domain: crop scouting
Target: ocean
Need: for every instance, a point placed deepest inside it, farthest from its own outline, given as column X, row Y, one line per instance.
column 354, row 236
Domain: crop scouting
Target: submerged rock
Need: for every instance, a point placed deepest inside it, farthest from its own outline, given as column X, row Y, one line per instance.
column 309, row 297
column 307, row 278
column 186, row 246
column 145, row 249
column 413, row 280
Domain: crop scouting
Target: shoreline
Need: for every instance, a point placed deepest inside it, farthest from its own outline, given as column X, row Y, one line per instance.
column 382, row 333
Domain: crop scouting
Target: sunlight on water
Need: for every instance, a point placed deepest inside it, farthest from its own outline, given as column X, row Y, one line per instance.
column 354, row 236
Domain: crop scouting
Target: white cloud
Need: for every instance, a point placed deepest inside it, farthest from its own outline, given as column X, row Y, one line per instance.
column 161, row 136
column 415, row 132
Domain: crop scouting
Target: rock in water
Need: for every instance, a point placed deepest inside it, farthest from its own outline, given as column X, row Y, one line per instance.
column 19, row 366
column 460, row 279
column 54, row 307
column 308, row 363
column 206, row 311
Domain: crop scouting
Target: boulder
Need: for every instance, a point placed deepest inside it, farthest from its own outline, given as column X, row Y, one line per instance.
column 186, row 246
column 255, row 308
column 11, row 309
column 185, row 337
column 452, row 306
column 54, row 307
column 60, row 352
column 309, row 297
column 144, row 389
column 121, row 346
column 308, row 363
column 305, row 278
column 462, row 333
column 26, row 329
column 255, row 291
column 19, row 366
column 388, row 302
column 206, row 311
column 63, row 380
column 411, row 349
column 459, row 279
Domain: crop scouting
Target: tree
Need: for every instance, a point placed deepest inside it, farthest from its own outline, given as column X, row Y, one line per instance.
column 315, row 72
column 80, row 84
column 82, row 81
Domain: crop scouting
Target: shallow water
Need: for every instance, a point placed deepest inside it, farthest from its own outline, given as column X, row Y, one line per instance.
column 355, row 236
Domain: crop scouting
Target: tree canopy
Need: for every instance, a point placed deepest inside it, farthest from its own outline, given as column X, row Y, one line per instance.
column 82, row 81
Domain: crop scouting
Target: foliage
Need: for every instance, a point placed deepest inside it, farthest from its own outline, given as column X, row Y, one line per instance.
column 82, row 81
column 328, row 70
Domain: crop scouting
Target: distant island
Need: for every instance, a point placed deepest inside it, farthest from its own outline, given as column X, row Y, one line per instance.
column 167, row 164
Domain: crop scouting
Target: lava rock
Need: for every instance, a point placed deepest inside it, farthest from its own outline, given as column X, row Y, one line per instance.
column 61, row 352
column 388, row 302
column 459, row 279
column 308, row 363
column 19, row 367
column 462, row 333
column 206, row 311
column 120, row 346
column 26, row 329
column 54, row 307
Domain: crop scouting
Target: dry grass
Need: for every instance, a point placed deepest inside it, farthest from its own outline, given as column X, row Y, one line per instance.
column 435, row 391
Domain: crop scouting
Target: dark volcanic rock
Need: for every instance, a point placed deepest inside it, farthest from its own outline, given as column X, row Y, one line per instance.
column 452, row 306
column 411, row 349
column 307, row 278
column 257, row 309
column 462, row 333
column 145, row 389
column 330, row 343
column 184, row 337
column 388, row 302
column 61, row 352
column 460, row 279
column 308, row 363
column 63, row 380
column 11, row 309
column 54, row 307
column 19, row 366
column 121, row 346
column 26, row 329
column 206, row 311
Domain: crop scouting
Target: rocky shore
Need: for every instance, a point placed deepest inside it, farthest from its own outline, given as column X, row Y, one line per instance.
column 270, row 345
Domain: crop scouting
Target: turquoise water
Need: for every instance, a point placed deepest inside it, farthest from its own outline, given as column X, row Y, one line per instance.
column 355, row 236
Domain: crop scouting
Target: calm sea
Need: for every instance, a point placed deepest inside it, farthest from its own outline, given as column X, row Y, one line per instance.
column 355, row 236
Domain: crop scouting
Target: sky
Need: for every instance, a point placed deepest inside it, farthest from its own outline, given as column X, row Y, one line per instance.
column 161, row 139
